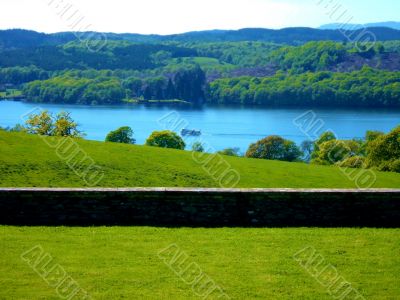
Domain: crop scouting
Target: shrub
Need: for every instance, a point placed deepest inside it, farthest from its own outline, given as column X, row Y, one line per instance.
column 230, row 152
column 122, row 135
column 43, row 123
column 165, row 139
column 274, row 148
column 352, row 162
column 384, row 151
column 336, row 151
column 197, row 147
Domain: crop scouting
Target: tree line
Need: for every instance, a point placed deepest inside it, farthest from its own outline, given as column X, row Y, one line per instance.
column 185, row 84
column 365, row 88
column 75, row 55
column 19, row 75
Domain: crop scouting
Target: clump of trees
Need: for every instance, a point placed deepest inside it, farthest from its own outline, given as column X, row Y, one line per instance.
column 311, row 57
column 365, row 88
column 186, row 84
column 383, row 151
column 377, row 150
column 275, row 148
column 44, row 123
column 166, row 139
column 123, row 135
column 72, row 90
column 243, row 54
column 19, row 75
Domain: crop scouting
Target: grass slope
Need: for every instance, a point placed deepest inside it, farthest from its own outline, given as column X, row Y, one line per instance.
column 27, row 161
column 122, row 263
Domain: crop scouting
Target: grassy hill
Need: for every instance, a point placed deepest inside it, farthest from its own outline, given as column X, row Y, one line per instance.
column 27, row 161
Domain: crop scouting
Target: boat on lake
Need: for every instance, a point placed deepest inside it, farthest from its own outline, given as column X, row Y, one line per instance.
column 190, row 132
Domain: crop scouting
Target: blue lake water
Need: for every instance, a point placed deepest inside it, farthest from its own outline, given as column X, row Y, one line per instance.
column 221, row 127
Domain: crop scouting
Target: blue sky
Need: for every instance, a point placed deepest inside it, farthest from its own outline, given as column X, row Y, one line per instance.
column 176, row 16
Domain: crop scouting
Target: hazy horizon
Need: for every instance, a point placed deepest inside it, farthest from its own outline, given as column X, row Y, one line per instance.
column 214, row 29
column 178, row 16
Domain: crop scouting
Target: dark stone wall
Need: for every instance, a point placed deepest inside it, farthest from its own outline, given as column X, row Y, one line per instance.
column 200, row 207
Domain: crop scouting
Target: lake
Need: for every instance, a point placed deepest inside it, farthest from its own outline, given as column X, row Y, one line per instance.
column 221, row 126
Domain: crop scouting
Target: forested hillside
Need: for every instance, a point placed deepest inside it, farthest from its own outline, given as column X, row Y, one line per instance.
column 295, row 66
column 365, row 88
column 18, row 38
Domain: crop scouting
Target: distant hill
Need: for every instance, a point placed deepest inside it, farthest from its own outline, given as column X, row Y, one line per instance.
column 18, row 38
column 335, row 26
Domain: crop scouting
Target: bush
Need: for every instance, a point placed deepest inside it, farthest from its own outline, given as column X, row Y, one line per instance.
column 230, row 152
column 197, row 147
column 384, row 152
column 352, row 162
column 395, row 166
column 274, row 148
column 165, row 139
column 44, row 123
column 390, row 166
column 334, row 151
column 122, row 135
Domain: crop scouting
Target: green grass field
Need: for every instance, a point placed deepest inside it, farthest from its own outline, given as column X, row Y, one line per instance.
column 27, row 161
column 123, row 262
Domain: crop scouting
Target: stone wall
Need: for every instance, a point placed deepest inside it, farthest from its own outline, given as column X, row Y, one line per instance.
column 201, row 207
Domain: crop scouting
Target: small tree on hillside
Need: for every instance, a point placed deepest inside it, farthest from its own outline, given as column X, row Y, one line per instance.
column 274, row 148
column 230, row 152
column 197, row 147
column 41, row 123
column 122, row 135
column 166, row 139
column 65, row 126
column 44, row 123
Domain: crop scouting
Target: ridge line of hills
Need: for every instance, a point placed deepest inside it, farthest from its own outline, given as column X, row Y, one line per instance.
column 291, row 36
column 388, row 24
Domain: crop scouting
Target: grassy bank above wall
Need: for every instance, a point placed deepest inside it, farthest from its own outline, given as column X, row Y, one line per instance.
column 28, row 161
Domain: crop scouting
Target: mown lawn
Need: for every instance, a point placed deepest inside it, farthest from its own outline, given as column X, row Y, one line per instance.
column 123, row 262
column 27, row 161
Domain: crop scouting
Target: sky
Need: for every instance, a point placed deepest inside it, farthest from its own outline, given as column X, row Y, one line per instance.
column 177, row 16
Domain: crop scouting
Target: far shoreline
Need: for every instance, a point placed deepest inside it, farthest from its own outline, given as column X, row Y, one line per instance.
column 175, row 103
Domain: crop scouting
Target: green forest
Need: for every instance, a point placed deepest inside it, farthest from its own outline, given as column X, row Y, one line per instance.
column 206, row 69
column 365, row 88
